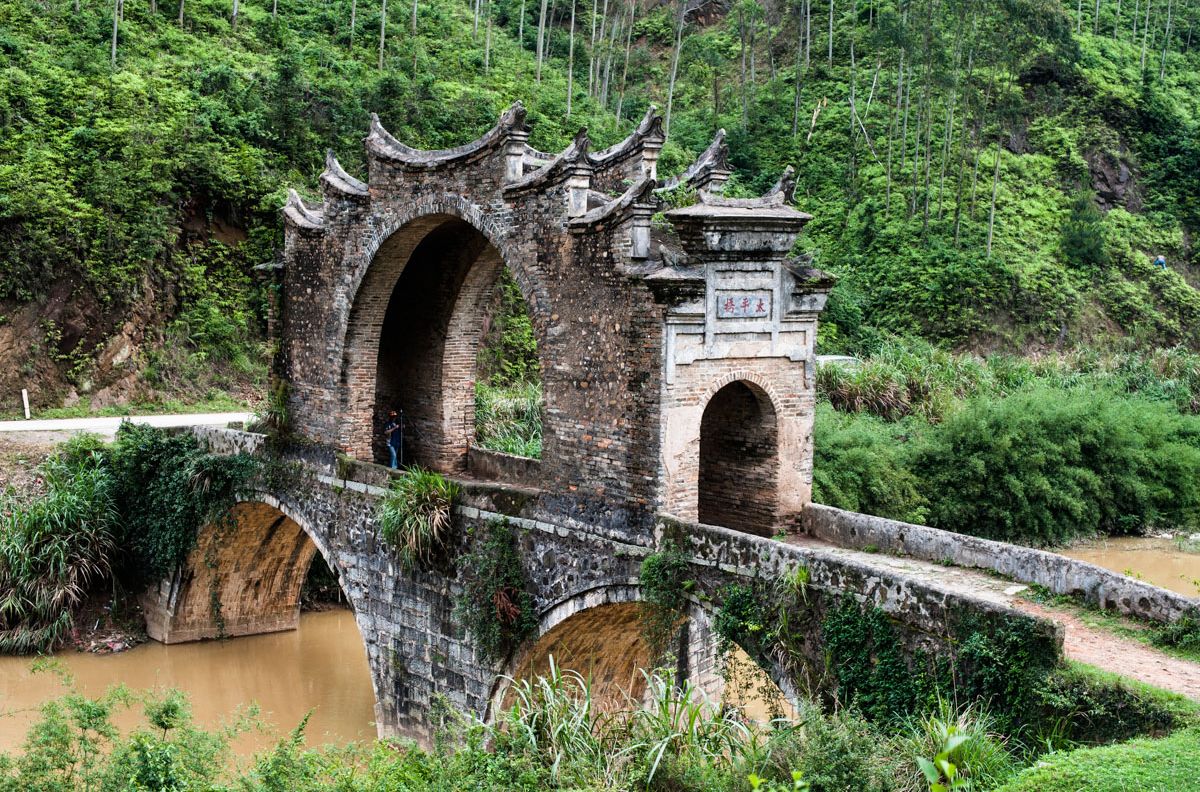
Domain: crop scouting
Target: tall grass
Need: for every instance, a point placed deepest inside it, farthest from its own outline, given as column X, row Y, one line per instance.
column 508, row 418
column 980, row 754
column 51, row 550
column 551, row 738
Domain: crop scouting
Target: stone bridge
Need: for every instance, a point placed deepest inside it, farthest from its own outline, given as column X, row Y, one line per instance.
column 676, row 354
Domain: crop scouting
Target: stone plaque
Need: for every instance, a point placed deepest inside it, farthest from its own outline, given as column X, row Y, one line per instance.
column 744, row 305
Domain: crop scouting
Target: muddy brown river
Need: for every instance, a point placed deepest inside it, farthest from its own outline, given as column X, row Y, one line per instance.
column 320, row 667
column 1157, row 561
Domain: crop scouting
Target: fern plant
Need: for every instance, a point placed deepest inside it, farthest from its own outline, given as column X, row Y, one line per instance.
column 415, row 516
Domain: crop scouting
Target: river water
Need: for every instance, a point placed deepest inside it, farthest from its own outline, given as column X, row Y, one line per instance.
column 1155, row 560
column 320, row 667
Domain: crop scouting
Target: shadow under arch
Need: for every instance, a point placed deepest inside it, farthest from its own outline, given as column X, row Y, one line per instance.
column 597, row 633
column 243, row 577
column 738, row 479
column 413, row 332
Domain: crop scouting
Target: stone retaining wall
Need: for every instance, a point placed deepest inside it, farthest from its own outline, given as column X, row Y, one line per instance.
column 1061, row 575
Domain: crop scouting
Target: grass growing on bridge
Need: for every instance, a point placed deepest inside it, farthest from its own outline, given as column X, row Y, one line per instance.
column 414, row 516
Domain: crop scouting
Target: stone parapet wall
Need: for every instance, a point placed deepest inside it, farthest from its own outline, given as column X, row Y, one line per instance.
column 926, row 612
column 1061, row 575
column 498, row 466
column 219, row 440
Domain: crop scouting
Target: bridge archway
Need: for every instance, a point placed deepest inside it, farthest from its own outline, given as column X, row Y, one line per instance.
column 413, row 338
column 738, row 483
column 243, row 577
column 598, row 635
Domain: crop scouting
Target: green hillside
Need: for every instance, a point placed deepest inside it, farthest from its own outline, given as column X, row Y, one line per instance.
column 136, row 198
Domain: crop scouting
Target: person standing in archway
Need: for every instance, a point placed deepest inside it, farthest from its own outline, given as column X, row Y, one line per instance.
column 393, row 431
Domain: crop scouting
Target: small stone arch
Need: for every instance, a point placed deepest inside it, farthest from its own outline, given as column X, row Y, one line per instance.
column 435, row 371
column 597, row 634
column 738, row 458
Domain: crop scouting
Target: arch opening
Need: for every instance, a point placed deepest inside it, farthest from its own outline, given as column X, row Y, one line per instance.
column 604, row 644
column 739, row 460
column 423, row 343
column 244, row 577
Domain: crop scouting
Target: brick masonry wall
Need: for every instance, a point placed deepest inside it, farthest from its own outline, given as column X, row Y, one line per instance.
column 598, row 331
column 739, row 460
column 781, row 383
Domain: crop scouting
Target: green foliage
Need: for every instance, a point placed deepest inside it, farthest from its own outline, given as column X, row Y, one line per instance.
column 1090, row 706
column 1183, row 633
column 664, row 584
column 150, row 172
column 872, row 672
column 742, row 620
column 1046, row 465
column 964, row 736
column 415, row 517
column 132, row 509
column 166, row 488
column 508, row 354
column 509, row 418
column 838, row 751
column 495, row 605
column 860, row 463
column 1083, row 236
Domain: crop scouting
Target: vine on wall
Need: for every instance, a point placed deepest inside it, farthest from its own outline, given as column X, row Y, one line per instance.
column 495, row 604
column 665, row 585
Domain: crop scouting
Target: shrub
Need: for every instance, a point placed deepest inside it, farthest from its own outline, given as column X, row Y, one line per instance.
column 861, row 464
column 166, row 488
column 415, row 517
column 1183, row 633
column 664, row 588
column 1091, row 706
column 834, row 752
column 1046, row 465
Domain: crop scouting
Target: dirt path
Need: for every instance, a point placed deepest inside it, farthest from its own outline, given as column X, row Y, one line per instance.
column 1124, row 656
column 1097, row 647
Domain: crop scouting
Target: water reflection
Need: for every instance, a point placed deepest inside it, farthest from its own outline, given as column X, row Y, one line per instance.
column 320, row 667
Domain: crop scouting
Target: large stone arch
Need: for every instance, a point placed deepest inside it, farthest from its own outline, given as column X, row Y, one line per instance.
column 597, row 634
column 243, row 577
column 394, row 276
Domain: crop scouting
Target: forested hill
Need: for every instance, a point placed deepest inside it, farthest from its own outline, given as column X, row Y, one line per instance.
column 989, row 175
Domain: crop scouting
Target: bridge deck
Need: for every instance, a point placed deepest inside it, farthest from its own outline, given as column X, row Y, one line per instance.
column 1082, row 642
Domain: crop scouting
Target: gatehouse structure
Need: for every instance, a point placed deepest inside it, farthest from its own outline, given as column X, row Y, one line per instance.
column 675, row 334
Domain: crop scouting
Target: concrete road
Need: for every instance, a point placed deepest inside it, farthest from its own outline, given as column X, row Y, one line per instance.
column 108, row 426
